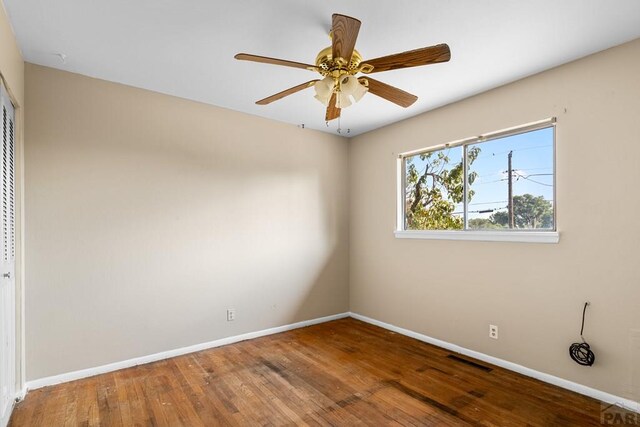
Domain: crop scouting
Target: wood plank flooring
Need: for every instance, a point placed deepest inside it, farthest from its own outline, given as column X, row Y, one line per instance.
column 341, row 373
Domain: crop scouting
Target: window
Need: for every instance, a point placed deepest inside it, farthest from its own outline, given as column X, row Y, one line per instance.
column 491, row 187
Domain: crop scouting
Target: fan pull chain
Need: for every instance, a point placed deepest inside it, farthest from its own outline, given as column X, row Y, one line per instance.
column 339, row 130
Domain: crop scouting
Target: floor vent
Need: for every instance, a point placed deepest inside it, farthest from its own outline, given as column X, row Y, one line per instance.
column 470, row 363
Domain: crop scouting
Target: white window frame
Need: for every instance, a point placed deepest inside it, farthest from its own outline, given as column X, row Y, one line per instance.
column 526, row 236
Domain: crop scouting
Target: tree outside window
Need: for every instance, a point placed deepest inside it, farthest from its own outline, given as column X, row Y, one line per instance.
column 509, row 185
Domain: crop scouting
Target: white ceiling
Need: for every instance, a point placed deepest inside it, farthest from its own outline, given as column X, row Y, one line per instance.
column 186, row 47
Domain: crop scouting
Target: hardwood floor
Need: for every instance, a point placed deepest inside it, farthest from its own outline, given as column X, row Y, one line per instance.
column 344, row 372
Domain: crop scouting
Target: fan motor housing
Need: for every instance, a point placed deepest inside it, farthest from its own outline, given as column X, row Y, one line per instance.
column 327, row 65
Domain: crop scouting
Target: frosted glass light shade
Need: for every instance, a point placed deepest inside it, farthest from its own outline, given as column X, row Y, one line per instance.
column 324, row 89
column 352, row 87
column 343, row 100
column 359, row 91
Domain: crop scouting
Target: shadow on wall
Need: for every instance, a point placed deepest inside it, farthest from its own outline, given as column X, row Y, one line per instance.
column 148, row 216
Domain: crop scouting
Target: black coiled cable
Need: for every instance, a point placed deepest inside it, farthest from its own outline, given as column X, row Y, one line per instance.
column 581, row 352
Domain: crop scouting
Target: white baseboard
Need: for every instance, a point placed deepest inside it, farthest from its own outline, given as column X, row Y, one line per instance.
column 18, row 397
column 4, row 421
column 84, row 373
column 547, row 378
column 560, row 382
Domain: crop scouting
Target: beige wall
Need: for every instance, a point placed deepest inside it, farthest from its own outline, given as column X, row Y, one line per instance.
column 12, row 72
column 452, row 290
column 148, row 216
column 11, row 63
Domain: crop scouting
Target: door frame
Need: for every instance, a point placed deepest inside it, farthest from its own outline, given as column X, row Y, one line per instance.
column 19, row 360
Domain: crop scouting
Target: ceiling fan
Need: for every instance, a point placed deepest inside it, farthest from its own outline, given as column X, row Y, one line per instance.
column 339, row 64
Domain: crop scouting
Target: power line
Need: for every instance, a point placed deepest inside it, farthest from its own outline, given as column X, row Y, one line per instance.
column 534, row 181
column 537, row 182
column 488, row 203
column 489, row 210
column 517, row 174
column 536, row 169
column 489, row 182
column 480, row 211
column 517, row 149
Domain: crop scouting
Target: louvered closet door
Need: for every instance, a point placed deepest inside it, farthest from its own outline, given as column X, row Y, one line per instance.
column 7, row 256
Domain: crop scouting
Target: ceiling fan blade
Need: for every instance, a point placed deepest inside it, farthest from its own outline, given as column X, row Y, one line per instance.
column 412, row 58
column 286, row 92
column 344, row 32
column 390, row 93
column 274, row 61
column 333, row 112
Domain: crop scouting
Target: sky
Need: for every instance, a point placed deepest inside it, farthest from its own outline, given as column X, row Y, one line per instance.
column 532, row 163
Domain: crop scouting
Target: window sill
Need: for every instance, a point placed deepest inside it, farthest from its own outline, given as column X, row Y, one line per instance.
column 482, row 236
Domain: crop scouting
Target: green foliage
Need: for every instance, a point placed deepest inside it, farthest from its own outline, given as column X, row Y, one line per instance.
column 500, row 218
column 532, row 212
column 431, row 194
column 528, row 212
column 484, row 224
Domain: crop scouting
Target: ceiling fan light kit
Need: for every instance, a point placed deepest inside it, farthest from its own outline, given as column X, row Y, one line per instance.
column 324, row 89
column 339, row 64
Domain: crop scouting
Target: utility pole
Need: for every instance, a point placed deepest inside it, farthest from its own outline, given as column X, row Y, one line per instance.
column 510, row 207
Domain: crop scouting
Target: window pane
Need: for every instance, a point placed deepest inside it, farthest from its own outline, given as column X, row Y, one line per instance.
column 434, row 190
column 531, row 177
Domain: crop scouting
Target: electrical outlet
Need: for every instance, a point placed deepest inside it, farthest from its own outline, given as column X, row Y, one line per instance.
column 493, row 332
column 231, row 314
